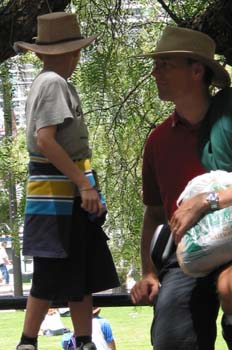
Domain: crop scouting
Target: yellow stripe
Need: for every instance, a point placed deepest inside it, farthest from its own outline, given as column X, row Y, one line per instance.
column 83, row 164
column 50, row 188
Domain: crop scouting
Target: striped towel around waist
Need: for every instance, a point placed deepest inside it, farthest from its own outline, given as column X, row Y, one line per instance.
column 49, row 192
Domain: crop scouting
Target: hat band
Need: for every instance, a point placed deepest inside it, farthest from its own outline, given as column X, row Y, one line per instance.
column 58, row 41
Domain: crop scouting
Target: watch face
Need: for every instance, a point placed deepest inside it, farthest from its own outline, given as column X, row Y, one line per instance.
column 212, row 196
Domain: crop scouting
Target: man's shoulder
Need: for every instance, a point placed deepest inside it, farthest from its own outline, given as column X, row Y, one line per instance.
column 160, row 129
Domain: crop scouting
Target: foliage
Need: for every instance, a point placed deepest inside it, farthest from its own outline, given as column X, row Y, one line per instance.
column 182, row 11
column 13, row 160
column 120, row 103
column 121, row 108
column 119, row 98
column 4, row 206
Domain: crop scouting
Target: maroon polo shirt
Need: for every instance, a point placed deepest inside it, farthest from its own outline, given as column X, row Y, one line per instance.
column 170, row 161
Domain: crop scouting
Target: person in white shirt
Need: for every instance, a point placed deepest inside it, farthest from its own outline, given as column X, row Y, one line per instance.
column 4, row 261
column 102, row 334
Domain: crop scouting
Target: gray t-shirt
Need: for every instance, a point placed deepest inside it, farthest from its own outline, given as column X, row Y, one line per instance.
column 54, row 101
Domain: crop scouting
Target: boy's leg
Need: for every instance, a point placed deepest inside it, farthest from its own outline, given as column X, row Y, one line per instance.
column 81, row 314
column 35, row 313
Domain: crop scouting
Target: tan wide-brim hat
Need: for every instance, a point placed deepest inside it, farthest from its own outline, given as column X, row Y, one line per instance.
column 57, row 33
column 193, row 44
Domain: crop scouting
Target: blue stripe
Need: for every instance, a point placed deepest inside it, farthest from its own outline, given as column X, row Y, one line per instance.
column 91, row 179
column 49, row 207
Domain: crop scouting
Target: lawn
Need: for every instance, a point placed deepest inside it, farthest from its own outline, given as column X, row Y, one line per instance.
column 130, row 327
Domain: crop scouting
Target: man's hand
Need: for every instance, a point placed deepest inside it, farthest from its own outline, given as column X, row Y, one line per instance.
column 187, row 215
column 145, row 290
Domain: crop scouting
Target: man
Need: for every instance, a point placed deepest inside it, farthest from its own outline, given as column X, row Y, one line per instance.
column 186, row 308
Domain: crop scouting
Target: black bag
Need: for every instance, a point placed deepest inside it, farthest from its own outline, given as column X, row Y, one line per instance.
column 162, row 246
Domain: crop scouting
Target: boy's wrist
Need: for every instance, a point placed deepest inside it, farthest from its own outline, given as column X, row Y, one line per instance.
column 86, row 188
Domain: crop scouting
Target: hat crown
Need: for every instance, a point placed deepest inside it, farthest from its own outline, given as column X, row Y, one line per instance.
column 178, row 39
column 57, row 27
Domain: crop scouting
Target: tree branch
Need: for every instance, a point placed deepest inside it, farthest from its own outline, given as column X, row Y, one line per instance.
column 169, row 12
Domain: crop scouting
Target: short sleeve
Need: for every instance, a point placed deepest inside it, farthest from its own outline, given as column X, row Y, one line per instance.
column 106, row 330
column 53, row 103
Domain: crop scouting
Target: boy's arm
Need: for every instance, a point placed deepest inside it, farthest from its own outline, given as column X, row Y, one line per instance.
column 49, row 147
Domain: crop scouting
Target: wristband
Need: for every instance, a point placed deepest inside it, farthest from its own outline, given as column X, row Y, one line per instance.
column 86, row 189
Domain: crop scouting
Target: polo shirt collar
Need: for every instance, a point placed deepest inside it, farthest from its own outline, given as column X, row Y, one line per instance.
column 178, row 120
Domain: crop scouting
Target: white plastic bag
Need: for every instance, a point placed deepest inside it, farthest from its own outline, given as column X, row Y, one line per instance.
column 208, row 244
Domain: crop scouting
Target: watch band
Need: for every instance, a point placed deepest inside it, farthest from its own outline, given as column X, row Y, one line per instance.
column 213, row 200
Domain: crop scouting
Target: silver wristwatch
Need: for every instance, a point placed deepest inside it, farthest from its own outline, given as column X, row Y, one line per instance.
column 213, row 200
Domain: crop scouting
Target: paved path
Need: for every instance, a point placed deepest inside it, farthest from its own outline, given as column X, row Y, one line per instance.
column 9, row 289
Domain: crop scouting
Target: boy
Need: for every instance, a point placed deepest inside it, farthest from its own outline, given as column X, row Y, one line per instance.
column 63, row 212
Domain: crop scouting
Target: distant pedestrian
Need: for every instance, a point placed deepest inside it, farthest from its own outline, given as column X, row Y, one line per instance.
column 4, row 261
column 101, row 332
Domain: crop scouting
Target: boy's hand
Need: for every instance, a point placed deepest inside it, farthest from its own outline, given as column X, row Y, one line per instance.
column 91, row 201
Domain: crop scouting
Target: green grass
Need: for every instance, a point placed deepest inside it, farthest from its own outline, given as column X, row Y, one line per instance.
column 130, row 326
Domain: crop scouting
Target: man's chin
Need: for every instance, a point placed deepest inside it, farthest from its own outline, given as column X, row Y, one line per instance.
column 163, row 96
column 162, row 93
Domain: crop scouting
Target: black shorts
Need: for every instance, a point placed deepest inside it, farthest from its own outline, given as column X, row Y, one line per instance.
column 88, row 269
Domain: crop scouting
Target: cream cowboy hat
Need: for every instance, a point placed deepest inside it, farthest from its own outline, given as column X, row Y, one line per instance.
column 192, row 44
column 58, row 33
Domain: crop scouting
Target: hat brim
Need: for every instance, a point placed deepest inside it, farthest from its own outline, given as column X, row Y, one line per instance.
column 96, row 310
column 55, row 49
column 221, row 77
